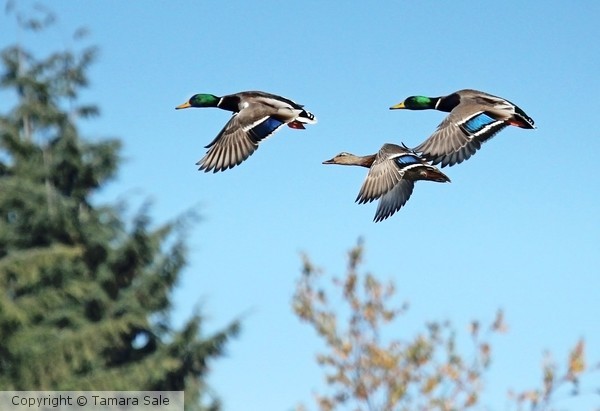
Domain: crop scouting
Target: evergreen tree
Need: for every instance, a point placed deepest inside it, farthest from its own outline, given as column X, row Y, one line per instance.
column 84, row 295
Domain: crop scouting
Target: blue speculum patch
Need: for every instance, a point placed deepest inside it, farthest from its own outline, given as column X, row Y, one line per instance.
column 267, row 127
column 408, row 159
column 478, row 122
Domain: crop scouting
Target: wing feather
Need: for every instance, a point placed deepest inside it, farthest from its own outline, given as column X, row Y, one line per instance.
column 394, row 199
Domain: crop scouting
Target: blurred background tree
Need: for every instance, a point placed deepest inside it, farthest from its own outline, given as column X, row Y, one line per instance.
column 84, row 294
column 369, row 367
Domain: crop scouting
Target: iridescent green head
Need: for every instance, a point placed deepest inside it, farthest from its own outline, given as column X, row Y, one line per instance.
column 200, row 100
column 416, row 103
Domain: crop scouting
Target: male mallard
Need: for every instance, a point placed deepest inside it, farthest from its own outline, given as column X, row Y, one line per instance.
column 391, row 177
column 256, row 115
column 474, row 118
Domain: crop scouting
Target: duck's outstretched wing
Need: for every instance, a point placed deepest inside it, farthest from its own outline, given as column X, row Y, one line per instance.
column 460, row 135
column 383, row 174
column 394, row 199
column 237, row 141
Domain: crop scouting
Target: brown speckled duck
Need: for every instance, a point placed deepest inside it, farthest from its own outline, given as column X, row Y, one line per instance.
column 393, row 171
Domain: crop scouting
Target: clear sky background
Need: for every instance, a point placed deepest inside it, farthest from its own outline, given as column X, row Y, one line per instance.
column 518, row 228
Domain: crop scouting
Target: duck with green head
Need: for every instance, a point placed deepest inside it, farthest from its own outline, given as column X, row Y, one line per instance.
column 475, row 117
column 393, row 171
column 256, row 116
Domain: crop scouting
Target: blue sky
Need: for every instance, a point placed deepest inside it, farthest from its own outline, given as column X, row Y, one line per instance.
column 518, row 227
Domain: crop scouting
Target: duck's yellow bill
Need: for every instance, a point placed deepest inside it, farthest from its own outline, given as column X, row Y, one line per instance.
column 397, row 106
column 184, row 105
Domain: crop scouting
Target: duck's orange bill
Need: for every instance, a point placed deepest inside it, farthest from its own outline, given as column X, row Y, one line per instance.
column 184, row 105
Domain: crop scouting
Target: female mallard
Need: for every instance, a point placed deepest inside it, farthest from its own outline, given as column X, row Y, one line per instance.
column 391, row 177
column 474, row 118
column 256, row 115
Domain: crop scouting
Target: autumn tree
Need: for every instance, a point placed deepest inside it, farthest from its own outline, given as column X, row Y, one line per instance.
column 368, row 369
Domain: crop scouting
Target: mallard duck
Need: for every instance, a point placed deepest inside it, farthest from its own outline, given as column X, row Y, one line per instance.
column 393, row 171
column 474, row 118
column 256, row 115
